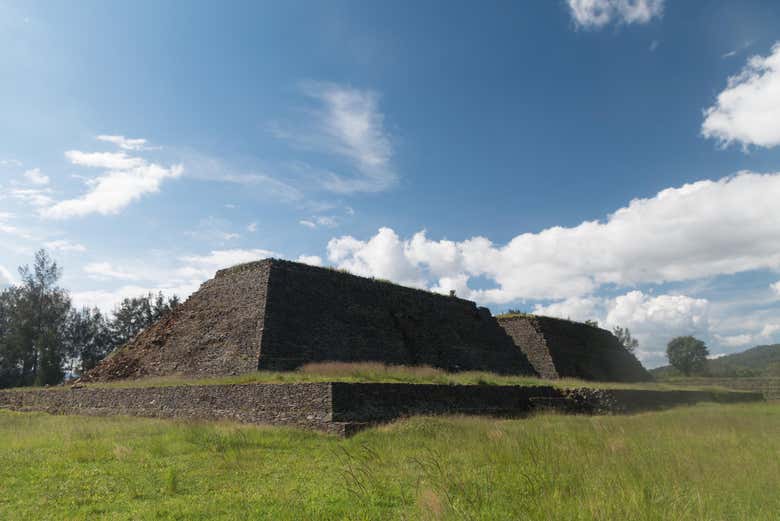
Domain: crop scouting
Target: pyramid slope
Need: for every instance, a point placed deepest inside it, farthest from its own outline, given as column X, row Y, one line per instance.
column 217, row 331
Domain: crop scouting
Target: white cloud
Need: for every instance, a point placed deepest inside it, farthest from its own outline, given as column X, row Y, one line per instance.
column 654, row 45
column 701, row 229
column 204, row 266
column 65, row 245
column 748, row 110
column 350, row 125
column 6, row 277
column 328, row 221
column 213, row 229
column 33, row 196
column 769, row 330
column 10, row 229
column 123, row 142
column 35, row 177
column 595, row 14
column 324, row 221
column 313, row 260
column 765, row 334
column 105, row 270
column 676, row 314
column 126, row 180
column 251, row 227
column 106, row 300
column 107, row 160
column 652, row 320
column 208, row 168
column 575, row 308
column 382, row 256
column 735, row 340
column 10, row 162
column 776, row 287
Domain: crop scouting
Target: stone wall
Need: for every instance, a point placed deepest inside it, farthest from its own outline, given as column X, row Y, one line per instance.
column 344, row 408
column 306, row 405
column 315, row 314
column 767, row 385
column 575, row 349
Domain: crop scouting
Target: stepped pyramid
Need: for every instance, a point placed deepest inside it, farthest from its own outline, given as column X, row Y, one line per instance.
column 560, row 348
column 279, row 315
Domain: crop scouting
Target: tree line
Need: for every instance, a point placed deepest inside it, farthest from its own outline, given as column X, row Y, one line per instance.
column 43, row 336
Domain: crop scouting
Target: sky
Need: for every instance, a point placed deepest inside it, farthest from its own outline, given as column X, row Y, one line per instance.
column 612, row 160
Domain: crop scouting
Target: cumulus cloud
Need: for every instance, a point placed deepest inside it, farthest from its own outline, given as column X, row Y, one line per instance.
column 251, row 227
column 700, row 229
column 313, row 260
column 348, row 124
column 776, row 287
column 748, row 110
column 575, row 308
column 763, row 335
column 65, row 245
column 652, row 319
column 383, row 256
column 595, row 14
column 35, row 177
column 125, row 180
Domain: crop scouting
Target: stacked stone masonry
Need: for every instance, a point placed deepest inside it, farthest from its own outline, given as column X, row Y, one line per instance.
column 769, row 386
column 279, row 315
column 344, row 408
column 560, row 348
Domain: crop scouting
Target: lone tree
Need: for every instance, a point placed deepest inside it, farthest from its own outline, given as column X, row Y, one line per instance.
column 687, row 354
column 623, row 335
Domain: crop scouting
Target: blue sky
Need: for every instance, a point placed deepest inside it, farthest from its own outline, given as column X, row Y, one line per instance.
column 606, row 159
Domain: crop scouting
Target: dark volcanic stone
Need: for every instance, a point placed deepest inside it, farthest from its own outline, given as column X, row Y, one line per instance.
column 279, row 315
column 560, row 348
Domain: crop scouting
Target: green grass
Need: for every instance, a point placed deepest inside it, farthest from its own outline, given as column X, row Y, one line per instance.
column 709, row 462
column 379, row 373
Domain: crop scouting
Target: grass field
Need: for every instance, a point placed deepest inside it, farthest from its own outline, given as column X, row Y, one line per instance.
column 369, row 372
column 709, row 462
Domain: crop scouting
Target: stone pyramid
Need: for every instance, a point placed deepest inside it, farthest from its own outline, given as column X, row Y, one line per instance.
column 279, row 315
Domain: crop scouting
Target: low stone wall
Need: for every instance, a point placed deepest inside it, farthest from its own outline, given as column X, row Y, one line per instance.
column 769, row 386
column 344, row 408
column 305, row 405
column 356, row 402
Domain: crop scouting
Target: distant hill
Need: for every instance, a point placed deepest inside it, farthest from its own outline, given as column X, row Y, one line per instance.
column 757, row 361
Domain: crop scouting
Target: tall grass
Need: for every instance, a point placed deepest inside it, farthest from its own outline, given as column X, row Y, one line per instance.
column 377, row 373
column 709, row 462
